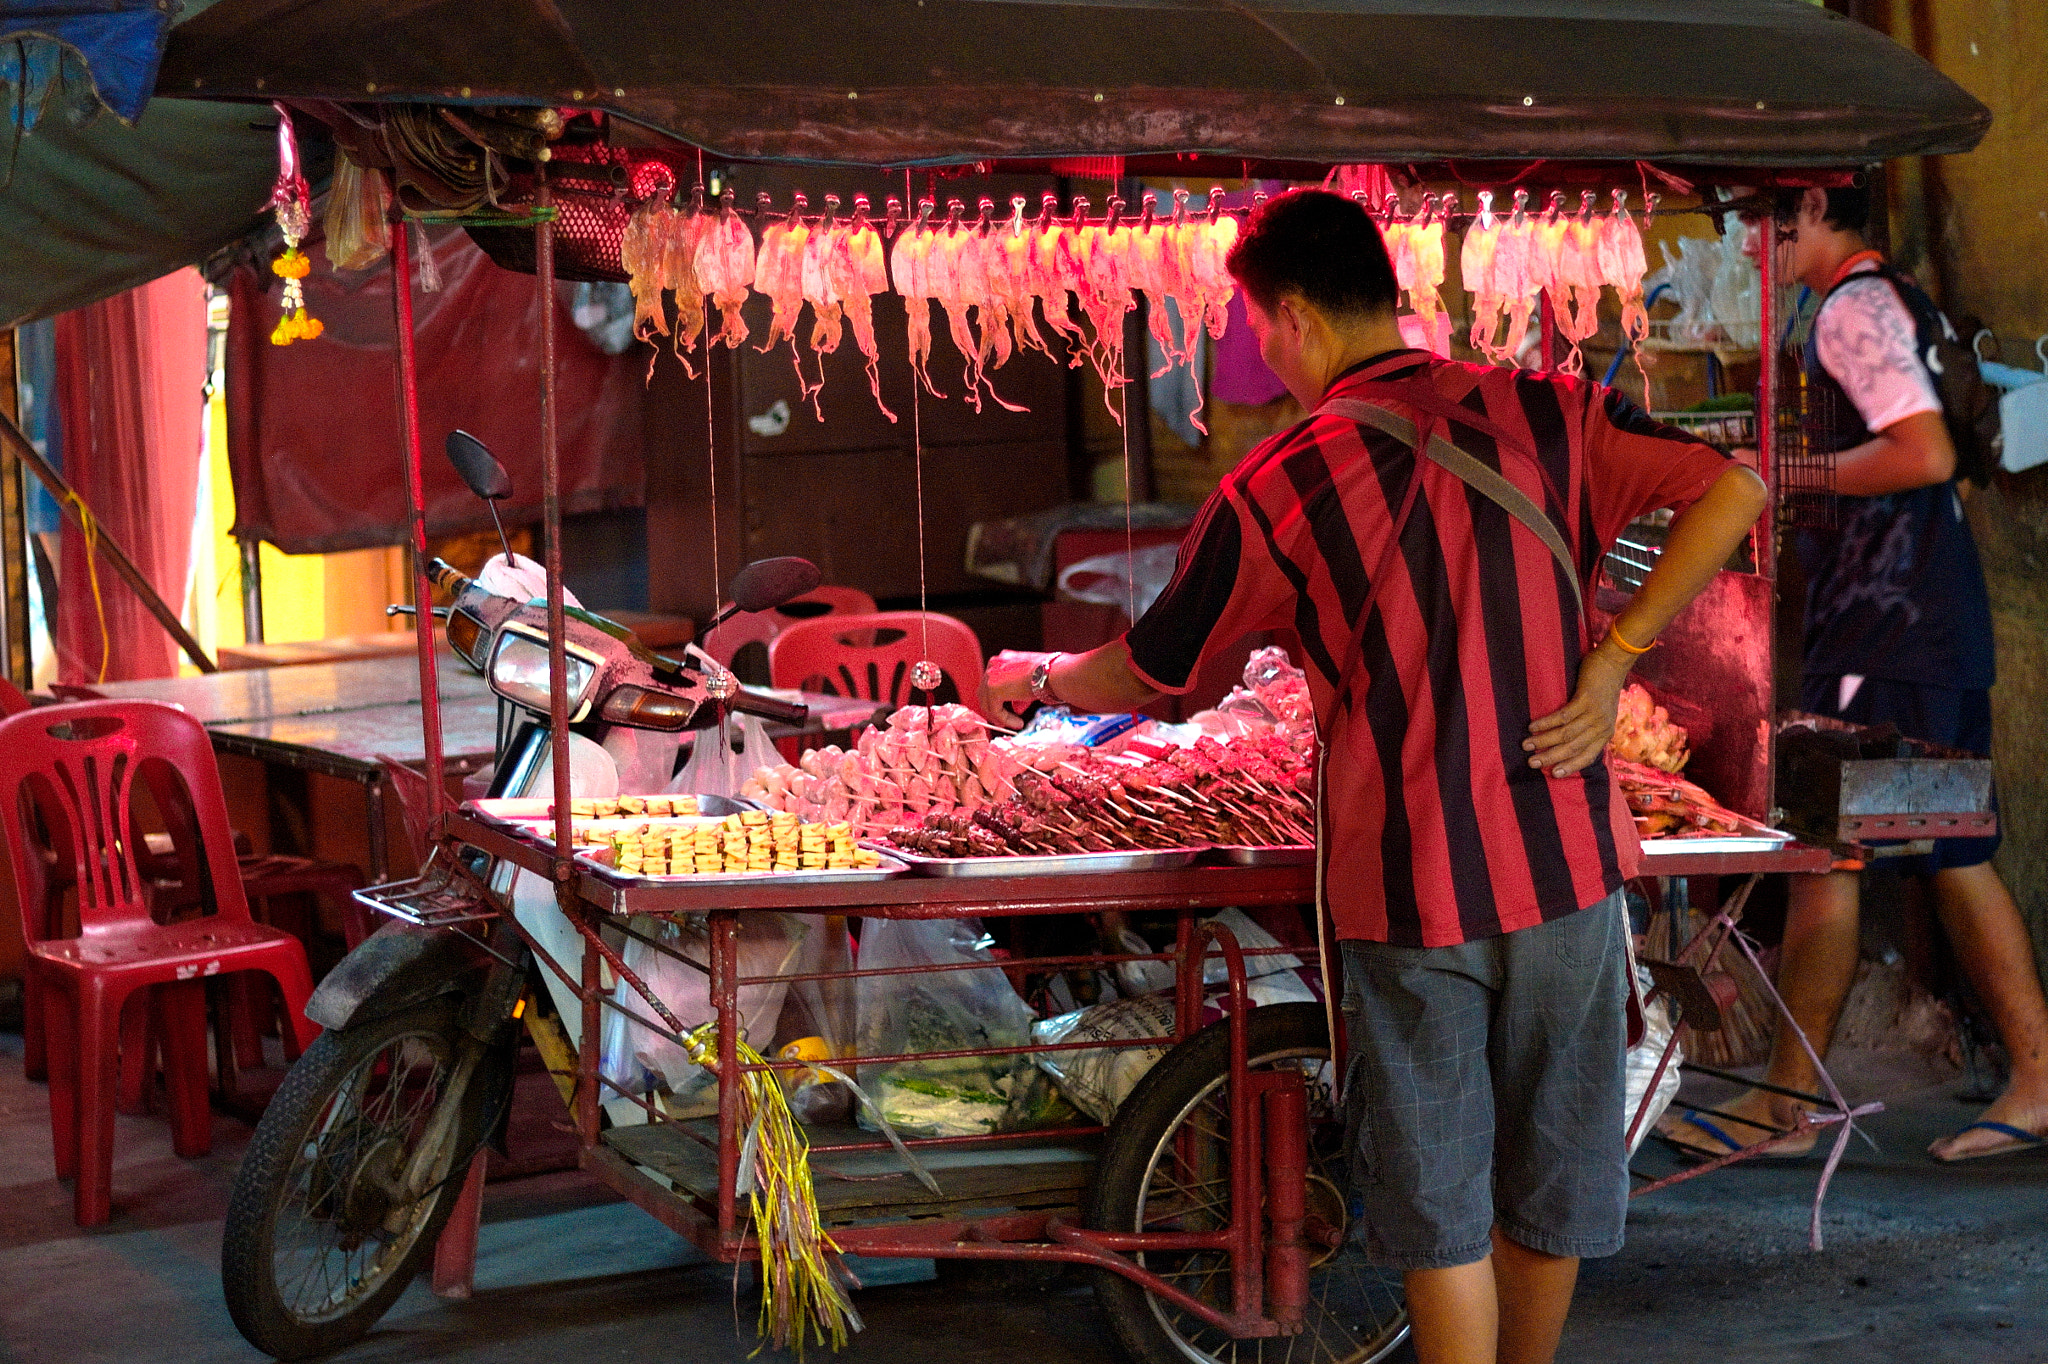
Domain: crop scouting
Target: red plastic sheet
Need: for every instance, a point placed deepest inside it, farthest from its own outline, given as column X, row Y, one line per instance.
column 313, row 427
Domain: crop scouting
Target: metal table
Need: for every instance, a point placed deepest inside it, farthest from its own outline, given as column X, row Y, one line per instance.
column 335, row 719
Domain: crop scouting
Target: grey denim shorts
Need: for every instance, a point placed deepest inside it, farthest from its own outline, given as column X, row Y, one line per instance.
column 1484, row 1088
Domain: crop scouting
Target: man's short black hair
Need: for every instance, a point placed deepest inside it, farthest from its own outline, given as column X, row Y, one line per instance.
column 1323, row 245
column 1848, row 207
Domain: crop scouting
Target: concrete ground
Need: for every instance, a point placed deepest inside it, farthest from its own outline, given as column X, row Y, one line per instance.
column 1924, row 1264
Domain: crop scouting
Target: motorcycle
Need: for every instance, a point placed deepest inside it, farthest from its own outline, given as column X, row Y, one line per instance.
column 358, row 1161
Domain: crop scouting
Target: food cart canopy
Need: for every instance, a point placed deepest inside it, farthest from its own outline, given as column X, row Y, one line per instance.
column 896, row 82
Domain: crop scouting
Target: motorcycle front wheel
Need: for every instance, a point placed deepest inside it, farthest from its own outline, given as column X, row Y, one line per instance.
column 319, row 1239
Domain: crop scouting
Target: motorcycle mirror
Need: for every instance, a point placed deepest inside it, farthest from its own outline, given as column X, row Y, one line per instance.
column 478, row 467
column 771, row 582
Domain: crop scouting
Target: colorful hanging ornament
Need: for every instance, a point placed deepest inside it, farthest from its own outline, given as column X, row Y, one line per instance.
column 293, row 201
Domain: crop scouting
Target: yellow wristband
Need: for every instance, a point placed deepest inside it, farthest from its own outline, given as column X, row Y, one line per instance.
column 1614, row 633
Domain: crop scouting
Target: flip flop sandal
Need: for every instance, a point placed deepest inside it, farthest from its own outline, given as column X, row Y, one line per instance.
column 2022, row 1140
column 1700, row 1155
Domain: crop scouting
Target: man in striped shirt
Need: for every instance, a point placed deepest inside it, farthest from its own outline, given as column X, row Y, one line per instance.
column 1466, row 815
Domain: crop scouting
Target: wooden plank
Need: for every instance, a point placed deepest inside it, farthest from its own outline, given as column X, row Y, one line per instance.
column 1028, row 1177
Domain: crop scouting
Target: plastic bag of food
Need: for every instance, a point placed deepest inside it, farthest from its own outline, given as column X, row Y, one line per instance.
column 1642, row 1063
column 1097, row 1081
column 358, row 232
column 818, row 1022
column 649, row 1065
column 937, row 1011
column 724, row 757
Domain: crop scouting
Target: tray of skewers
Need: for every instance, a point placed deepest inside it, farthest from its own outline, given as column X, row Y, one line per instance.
column 747, row 846
column 1674, row 815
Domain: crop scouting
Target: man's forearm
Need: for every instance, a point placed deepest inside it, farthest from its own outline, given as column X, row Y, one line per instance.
column 1914, row 452
column 1100, row 681
column 1699, row 543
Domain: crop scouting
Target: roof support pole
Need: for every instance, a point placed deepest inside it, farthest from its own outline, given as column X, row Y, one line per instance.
column 416, row 504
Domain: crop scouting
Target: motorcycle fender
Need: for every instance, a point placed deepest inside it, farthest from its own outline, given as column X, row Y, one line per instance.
column 399, row 965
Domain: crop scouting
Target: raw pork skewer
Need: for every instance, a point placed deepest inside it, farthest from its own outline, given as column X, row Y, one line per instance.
column 1475, row 267
column 725, row 269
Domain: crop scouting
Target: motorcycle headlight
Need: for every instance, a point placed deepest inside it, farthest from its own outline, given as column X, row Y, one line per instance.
column 519, row 672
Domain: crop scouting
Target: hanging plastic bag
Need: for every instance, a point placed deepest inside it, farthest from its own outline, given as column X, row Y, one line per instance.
column 358, row 231
column 651, row 1066
column 937, row 1011
column 723, row 757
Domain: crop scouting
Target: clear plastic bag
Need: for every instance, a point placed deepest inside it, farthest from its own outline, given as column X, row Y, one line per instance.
column 818, row 1020
column 651, row 1066
column 1097, row 1081
column 1642, row 1063
column 937, row 1011
column 722, row 758
column 1274, row 696
column 358, row 232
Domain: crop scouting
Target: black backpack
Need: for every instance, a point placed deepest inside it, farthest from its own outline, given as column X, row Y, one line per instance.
column 1969, row 406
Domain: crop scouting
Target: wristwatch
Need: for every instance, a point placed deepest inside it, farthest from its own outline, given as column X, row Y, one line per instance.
column 1041, row 681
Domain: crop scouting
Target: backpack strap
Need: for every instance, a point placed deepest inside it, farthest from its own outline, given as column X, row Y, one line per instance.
column 1474, row 472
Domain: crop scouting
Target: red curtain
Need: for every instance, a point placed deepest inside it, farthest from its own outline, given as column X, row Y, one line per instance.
column 131, row 371
column 313, row 427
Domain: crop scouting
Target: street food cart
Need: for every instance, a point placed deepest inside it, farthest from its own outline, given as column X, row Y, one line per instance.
column 1213, row 1203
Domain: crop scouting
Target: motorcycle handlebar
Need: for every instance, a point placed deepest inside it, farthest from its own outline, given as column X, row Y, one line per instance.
column 446, row 576
column 769, row 707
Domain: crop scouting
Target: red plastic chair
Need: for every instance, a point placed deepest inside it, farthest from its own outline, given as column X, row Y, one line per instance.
column 80, row 763
column 870, row 656
column 272, row 883
column 726, row 642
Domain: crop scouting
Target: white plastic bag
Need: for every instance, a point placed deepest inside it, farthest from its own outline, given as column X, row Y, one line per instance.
column 1097, row 1081
column 937, row 1011
column 651, row 1066
column 1642, row 1064
column 1113, row 579
column 723, row 757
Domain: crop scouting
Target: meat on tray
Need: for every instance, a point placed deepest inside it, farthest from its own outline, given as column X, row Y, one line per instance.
column 1668, row 806
column 1252, row 791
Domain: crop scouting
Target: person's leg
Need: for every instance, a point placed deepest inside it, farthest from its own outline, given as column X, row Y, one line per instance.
column 1816, row 967
column 1419, row 1105
column 1561, row 1156
column 1506, row 1309
column 1995, row 953
column 1534, row 1292
column 1454, row 1313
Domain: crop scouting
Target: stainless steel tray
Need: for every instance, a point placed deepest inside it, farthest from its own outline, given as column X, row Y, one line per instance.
column 1278, row 855
column 1070, row 864
column 891, row 868
column 534, row 809
column 1715, row 843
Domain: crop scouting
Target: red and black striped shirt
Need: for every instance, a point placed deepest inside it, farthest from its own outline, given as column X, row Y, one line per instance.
column 1436, row 829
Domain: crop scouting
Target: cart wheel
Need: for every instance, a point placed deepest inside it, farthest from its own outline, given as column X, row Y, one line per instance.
column 1165, row 1167
column 316, row 1248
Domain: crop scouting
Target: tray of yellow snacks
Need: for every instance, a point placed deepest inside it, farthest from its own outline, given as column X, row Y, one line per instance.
column 743, row 846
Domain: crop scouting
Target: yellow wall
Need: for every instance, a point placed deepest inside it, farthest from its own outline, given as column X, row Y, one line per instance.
column 305, row 596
